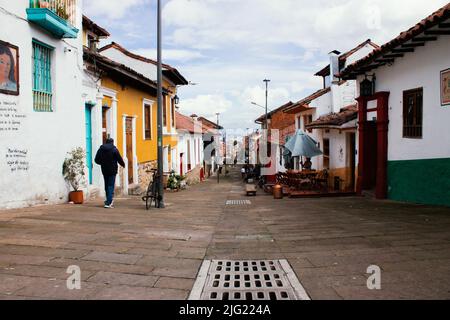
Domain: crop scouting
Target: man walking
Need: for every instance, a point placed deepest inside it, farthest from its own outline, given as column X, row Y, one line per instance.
column 108, row 157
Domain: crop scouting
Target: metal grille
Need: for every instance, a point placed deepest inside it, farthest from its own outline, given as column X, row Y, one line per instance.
column 247, row 280
column 42, row 78
column 238, row 202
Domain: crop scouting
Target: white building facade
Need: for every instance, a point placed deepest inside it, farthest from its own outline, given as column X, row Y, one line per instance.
column 41, row 110
column 329, row 117
column 190, row 148
column 409, row 107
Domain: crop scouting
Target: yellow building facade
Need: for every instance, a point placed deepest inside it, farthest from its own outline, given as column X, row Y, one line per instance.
column 125, row 107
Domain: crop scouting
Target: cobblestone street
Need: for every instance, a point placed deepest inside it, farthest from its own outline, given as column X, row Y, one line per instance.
column 130, row 253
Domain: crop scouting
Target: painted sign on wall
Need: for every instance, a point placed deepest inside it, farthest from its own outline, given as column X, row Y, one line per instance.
column 9, row 69
column 11, row 120
column 445, row 87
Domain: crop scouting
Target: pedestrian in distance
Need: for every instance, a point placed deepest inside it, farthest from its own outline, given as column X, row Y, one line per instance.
column 108, row 157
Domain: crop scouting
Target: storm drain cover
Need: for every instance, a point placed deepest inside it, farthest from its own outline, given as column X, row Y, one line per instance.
column 238, row 202
column 247, row 280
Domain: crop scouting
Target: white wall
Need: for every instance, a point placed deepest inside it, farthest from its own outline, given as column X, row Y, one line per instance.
column 195, row 140
column 419, row 69
column 361, row 53
column 45, row 138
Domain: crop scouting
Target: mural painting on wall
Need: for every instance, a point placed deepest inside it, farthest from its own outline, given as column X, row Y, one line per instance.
column 445, row 87
column 9, row 69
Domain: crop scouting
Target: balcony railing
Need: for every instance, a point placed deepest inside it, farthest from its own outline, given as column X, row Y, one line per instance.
column 57, row 16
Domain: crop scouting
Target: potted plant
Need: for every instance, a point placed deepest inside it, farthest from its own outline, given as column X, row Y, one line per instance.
column 74, row 173
column 44, row 4
column 174, row 181
column 61, row 11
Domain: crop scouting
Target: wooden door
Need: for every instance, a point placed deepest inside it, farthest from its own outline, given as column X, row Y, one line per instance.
column 129, row 138
column 352, row 154
column 181, row 164
column 104, row 124
column 370, row 156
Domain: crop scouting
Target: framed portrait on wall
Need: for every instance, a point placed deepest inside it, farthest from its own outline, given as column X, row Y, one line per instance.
column 9, row 68
column 445, row 87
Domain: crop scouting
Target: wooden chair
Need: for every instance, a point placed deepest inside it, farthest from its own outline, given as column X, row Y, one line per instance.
column 321, row 180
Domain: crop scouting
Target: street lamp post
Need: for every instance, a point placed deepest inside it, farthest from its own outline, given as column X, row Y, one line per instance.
column 218, row 153
column 160, row 113
column 267, row 95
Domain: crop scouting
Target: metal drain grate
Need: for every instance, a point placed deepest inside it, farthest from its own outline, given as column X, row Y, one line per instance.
column 238, row 202
column 247, row 280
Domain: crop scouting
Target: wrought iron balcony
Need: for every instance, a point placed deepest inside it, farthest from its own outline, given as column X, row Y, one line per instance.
column 56, row 16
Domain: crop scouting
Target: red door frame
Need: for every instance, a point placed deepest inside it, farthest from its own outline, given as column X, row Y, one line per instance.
column 181, row 164
column 382, row 110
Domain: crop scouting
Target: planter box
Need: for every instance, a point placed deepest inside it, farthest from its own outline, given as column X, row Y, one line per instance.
column 51, row 22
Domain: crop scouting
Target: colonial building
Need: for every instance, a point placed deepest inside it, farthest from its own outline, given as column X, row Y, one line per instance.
column 284, row 125
column 404, row 113
column 190, row 148
column 172, row 79
column 40, row 90
column 212, row 144
column 329, row 116
column 121, row 103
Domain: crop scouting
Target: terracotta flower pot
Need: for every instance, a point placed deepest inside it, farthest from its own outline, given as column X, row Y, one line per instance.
column 44, row 4
column 76, row 197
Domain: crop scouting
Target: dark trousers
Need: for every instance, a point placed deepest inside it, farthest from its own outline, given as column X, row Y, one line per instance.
column 110, row 183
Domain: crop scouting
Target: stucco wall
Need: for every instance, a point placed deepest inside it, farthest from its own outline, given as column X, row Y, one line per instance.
column 419, row 69
column 41, row 139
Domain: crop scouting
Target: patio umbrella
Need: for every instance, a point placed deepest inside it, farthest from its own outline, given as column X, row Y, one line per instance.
column 302, row 145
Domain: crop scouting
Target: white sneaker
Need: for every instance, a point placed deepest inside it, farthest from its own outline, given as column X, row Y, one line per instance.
column 107, row 207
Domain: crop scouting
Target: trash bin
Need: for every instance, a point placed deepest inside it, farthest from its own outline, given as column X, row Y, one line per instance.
column 278, row 192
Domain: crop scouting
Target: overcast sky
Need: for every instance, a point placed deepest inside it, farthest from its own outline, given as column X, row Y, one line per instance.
column 227, row 47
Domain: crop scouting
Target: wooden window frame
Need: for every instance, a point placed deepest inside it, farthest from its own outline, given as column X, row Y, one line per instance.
column 326, row 153
column 148, row 134
column 172, row 111
column 413, row 130
column 307, row 119
column 164, row 109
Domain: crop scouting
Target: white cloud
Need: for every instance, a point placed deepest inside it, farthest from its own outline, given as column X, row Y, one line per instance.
column 205, row 105
column 112, row 9
column 229, row 46
column 320, row 24
column 171, row 54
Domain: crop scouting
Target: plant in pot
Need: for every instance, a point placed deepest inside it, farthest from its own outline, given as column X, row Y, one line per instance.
column 44, row 4
column 174, row 181
column 61, row 11
column 74, row 173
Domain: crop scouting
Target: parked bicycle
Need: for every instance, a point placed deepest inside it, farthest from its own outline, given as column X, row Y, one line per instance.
column 153, row 194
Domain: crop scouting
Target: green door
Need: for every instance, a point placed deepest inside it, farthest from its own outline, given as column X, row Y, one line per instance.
column 89, row 163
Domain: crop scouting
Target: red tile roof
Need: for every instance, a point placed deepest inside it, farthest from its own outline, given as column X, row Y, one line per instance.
column 304, row 103
column 170, row 71
column 97, row 62
column 360, row 66
column 262, row 118
column 343, row 58
column 91, row 25
column 345, row 115
column 184, row 123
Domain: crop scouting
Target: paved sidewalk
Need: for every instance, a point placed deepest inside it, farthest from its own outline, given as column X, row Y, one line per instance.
column 130, row 253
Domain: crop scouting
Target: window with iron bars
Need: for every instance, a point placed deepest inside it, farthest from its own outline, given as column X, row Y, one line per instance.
column 413, row 113
column 42, row 77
